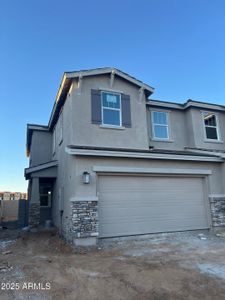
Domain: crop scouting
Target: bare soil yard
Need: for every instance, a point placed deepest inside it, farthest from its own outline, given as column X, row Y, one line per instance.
column 166, row 266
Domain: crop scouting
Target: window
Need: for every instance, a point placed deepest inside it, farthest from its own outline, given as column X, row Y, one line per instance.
column 211, row 126
column 45, row 194
column 111, row 109
column 160, row 125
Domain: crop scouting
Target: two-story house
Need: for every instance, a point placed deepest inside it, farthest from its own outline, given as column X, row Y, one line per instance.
column 113, row 162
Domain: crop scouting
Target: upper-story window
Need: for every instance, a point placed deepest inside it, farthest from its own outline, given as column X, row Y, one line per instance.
column 211, row 126
column 111, row 109
column 160, row 125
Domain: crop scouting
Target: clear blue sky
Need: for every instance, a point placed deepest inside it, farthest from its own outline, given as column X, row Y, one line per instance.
column 176, row 46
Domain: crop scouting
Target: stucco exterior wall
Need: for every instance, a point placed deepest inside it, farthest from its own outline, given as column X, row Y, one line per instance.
column 178, row 130
column 41, row 148
column 63, row 184
column 199, row 130
column 85, row 133
column 76, row 190
column 70, row 194
column 86, row 164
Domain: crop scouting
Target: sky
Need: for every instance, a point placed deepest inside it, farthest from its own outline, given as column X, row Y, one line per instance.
column 176, row 46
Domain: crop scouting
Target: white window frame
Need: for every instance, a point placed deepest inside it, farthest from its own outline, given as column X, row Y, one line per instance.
column 110, row 108
column 217, row 126
column 153, row 125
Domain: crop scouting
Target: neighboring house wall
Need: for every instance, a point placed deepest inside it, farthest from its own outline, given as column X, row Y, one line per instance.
column 41, row 146
column 14, row 214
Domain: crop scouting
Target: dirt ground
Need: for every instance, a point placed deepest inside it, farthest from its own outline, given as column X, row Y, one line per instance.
column 166, row 266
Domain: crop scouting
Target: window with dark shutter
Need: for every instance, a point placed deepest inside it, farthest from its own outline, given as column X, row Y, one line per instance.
column 107, row 109
column 96, row 109
column 126, row 111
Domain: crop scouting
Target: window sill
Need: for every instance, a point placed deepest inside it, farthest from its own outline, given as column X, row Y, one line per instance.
column 112, row 127
column 213, row 141
column 161, row 140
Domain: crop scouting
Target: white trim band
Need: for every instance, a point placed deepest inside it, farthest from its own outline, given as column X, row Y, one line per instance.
column 109, row 169
column 106, row 153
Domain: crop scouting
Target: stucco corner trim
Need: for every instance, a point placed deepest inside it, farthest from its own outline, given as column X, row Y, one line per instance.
column 168, row 171
column 79, row 198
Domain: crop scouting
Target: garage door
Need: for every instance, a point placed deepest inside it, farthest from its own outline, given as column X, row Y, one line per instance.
column 130, row 205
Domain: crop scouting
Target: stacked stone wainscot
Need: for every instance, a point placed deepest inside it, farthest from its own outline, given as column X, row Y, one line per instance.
column 84, row 218
column 34, row 214
column 218, row 211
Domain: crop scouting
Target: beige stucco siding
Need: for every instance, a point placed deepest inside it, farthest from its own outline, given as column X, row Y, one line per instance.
column 86, row 164
column 199, row 130
column 71, row 169
column 41, row 146
column 86, row 133
column 178, row 130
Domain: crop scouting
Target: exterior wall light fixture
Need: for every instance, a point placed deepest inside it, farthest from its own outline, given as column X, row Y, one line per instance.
column 86, row 177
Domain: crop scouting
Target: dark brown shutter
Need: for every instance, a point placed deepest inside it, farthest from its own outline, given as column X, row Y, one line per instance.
column 96, row 112
column 126, row 112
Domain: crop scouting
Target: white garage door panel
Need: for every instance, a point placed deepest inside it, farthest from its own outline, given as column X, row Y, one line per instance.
column 139, row 204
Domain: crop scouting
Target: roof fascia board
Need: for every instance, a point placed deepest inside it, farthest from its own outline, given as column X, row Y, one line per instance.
column 41, row 167
column 64, row 77
column 37, row 127
column 105, row 153
column 184, row 106
column 203, row 105
column 164, row 104
column 135, row 81
column 110, row 70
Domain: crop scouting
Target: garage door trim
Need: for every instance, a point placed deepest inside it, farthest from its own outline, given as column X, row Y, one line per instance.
column 167, row 173
column 163, row 171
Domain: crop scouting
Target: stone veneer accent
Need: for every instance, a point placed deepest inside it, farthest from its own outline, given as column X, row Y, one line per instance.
column 85, row 218
column 34, row 214
column 218, row 211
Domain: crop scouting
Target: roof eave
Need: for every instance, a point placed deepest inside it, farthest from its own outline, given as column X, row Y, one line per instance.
column 69, row 76
column 108, row 70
